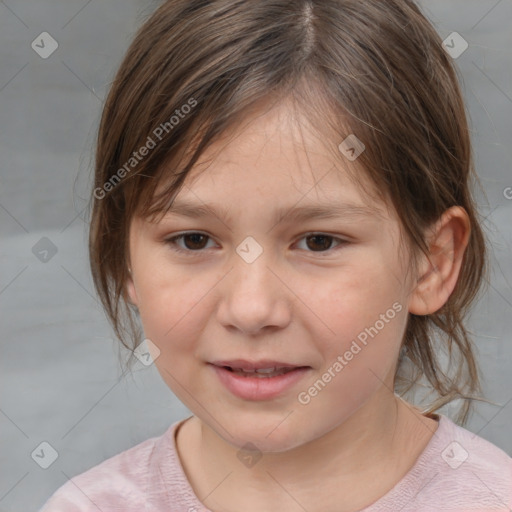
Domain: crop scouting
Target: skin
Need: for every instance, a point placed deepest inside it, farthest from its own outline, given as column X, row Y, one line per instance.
column 297, row 303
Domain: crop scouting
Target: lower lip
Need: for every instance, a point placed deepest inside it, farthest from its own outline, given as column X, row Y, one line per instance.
column 259, row 388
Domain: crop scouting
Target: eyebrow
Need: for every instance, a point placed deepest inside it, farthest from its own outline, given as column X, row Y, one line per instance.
column 294, row 213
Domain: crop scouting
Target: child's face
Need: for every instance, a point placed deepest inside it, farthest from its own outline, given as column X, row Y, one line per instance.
column 304, row 300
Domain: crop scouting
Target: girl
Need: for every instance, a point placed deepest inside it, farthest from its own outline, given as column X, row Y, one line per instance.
column 283, row 198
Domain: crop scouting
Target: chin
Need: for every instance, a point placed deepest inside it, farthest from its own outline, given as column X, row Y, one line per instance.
column 267, row 438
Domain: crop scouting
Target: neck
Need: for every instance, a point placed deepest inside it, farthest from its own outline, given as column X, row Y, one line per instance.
column 375, row 444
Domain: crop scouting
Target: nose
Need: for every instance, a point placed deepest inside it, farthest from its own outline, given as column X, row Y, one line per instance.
column 254, row 297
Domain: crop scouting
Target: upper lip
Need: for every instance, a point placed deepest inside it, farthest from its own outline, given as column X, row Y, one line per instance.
column 243, row 364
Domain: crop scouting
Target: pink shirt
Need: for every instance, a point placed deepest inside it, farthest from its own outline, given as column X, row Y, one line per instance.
column 457, row 471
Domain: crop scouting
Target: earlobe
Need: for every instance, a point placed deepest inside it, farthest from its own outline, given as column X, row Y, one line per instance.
column 439, row 273
column 130, row 290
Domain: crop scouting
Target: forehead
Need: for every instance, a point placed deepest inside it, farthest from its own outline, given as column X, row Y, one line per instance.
column 278, row 155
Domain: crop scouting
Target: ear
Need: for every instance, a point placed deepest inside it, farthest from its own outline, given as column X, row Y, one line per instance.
column 447, row 240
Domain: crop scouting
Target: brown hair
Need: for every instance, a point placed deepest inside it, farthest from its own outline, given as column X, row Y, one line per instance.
column 196, row 67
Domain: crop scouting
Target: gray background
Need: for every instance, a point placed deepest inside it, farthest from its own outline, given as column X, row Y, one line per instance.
column 61, row 380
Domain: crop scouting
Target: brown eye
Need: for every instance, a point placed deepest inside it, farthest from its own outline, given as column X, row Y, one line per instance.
column 193, row 242
column 319, row 242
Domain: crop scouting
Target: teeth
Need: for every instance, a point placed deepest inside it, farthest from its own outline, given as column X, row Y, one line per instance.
column 258, row 370
column 269, row 372
column 265, row 370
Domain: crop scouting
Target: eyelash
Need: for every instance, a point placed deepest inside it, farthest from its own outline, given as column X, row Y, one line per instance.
column 171, row 242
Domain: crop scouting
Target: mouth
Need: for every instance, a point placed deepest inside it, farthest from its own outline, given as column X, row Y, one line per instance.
column 260, row 369
column 262, row 373
column 259, row 380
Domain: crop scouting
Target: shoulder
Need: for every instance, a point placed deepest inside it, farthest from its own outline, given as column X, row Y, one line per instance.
column 470, row 469
column 118, row 483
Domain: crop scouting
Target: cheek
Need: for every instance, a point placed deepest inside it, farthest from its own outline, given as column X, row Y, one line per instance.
column 173, row 305
column 172, row 314
column 364, row 313
column 355, row 295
